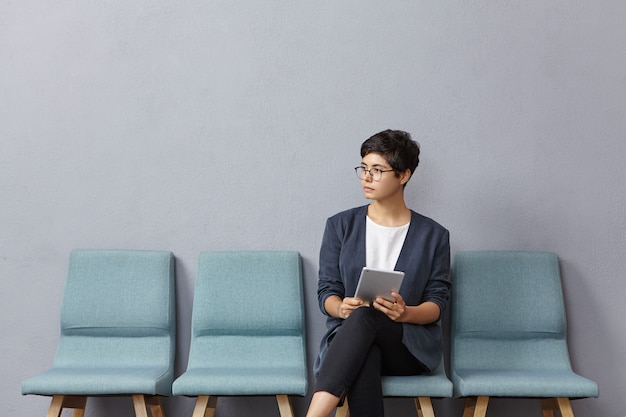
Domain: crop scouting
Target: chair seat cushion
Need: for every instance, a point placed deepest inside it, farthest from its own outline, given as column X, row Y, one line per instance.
column 522, row 383
column 435, row 385
column 241, row 381
column 100, row 381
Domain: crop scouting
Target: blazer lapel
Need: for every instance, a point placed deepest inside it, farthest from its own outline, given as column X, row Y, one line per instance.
column 406, row 259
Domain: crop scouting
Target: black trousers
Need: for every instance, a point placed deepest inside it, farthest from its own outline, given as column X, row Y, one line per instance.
column 366, row 346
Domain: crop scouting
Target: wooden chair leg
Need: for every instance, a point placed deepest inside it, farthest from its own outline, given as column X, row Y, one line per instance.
column 156, row 408
column 205, row 406
column 140, row 404
column 79, row 411
column 565, row 407
column 548, row 406
column 284, row 405
column 476, row 406
column 343, row 411
column 59, row 402
column 424, row 407
column 56, row 406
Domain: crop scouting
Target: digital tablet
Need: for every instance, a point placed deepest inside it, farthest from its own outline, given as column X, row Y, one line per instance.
column 378, row 283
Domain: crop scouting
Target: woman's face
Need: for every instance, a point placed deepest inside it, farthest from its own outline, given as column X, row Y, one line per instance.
column 389, row 185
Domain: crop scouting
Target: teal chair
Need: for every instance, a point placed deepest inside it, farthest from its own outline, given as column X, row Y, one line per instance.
column 117, row 332
column 508, row 332
column 421, row 388
column 248, row 330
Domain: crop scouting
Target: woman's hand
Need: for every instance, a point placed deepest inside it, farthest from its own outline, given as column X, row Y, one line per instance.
column 394, row 310
column 348, row 305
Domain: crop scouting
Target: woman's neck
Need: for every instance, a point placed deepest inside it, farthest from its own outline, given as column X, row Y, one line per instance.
column 389, row 214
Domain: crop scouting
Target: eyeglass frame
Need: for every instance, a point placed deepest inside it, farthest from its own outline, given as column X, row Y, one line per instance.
column 364, row 170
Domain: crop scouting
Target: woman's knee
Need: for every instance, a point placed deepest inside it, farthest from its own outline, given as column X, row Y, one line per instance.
column 363, row 313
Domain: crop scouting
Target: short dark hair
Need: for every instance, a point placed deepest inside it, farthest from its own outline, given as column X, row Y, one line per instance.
column 397, row 147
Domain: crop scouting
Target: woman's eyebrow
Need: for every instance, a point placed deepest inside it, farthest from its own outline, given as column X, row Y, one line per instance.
column 373, row 166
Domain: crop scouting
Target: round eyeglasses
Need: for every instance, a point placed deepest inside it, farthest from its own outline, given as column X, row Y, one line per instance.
column 375, row 173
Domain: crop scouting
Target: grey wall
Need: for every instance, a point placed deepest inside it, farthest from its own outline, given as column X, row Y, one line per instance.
column 192, row 126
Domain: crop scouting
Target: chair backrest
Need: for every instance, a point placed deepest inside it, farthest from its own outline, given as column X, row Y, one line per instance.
column 248, row 310
column 507, row 311
column 118, row 310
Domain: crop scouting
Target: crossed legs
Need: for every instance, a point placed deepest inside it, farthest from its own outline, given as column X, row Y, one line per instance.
column 367, row 345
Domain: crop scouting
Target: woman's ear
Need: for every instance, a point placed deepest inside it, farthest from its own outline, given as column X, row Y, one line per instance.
column 405, row 176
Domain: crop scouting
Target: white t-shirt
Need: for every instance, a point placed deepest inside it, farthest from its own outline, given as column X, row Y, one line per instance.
column 383, row 244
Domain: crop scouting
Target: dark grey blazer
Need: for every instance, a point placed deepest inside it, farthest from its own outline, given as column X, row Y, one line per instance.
column 424, row 258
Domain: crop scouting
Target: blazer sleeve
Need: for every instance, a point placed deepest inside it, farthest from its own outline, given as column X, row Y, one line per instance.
column 330, row 282
column 437, row 288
